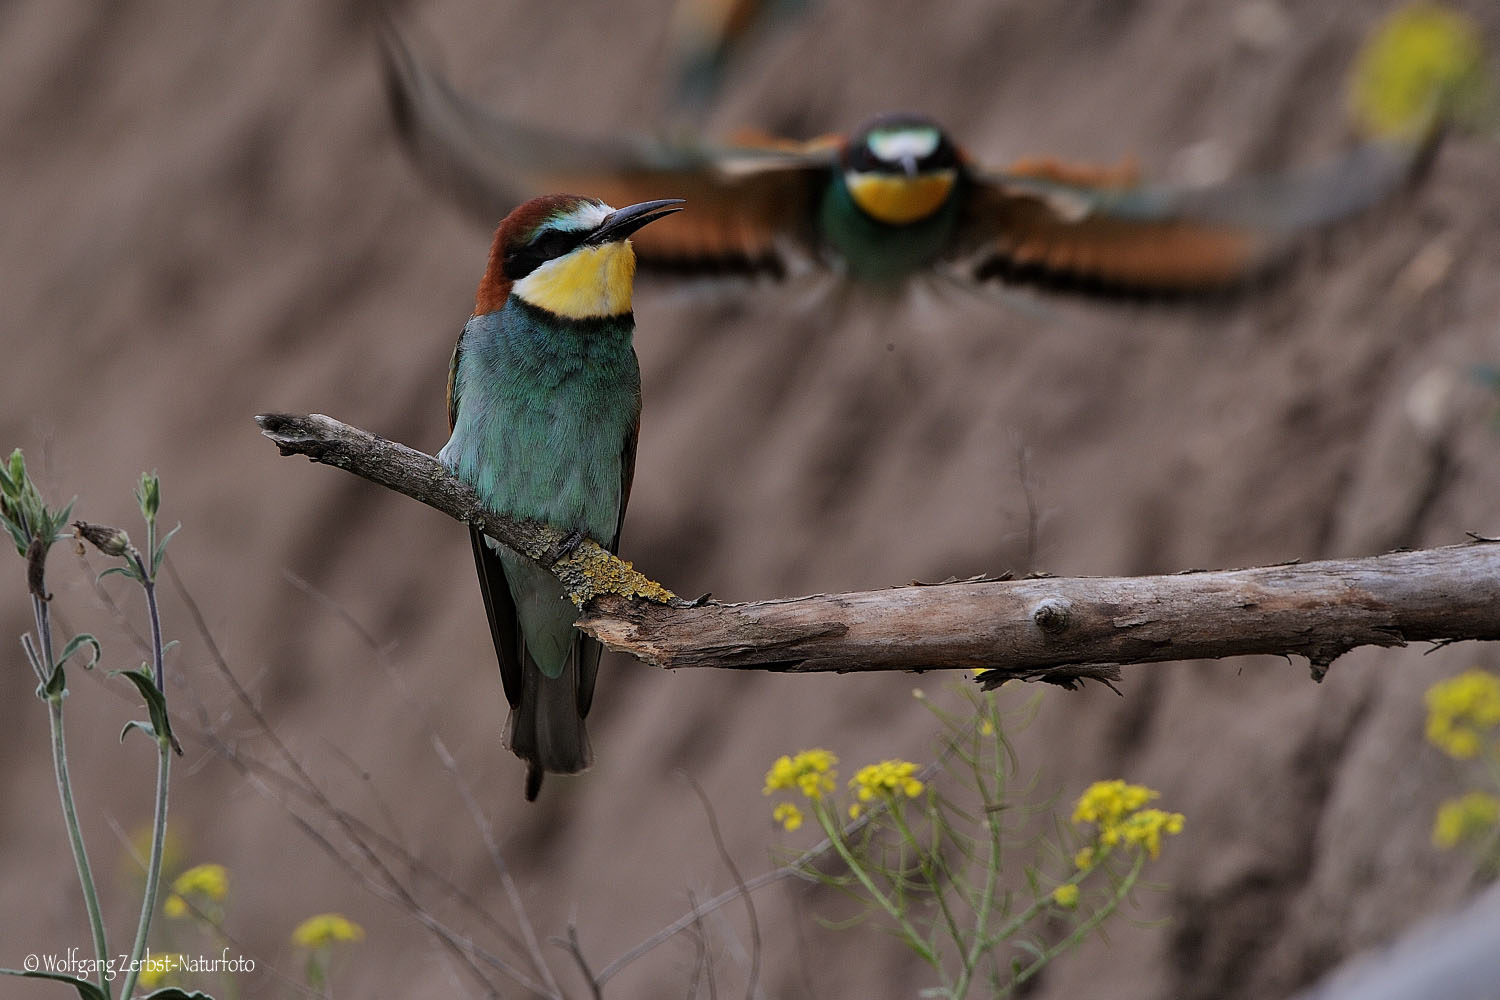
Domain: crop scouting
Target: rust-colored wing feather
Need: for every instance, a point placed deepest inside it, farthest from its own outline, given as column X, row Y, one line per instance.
column 1055, row 226
column 748, row 204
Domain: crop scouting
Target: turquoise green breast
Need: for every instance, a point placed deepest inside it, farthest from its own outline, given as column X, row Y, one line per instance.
column 544, row 409
column 878, row 252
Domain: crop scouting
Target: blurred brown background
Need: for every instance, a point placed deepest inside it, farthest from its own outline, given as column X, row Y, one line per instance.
column 206, row 217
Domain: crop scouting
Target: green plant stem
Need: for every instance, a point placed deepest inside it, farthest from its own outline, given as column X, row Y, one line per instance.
column 43, row 619
column 65, row 793
column 158, row 668
column 1087, row 927
column 153, row 866
column 163, row 773
column 44, row 634
column 835, row 835
column 932, row 867
column 75, row 837
column 977, row 947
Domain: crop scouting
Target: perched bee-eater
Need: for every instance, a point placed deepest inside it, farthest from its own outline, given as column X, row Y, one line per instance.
column 544, row 405
column 896, row 199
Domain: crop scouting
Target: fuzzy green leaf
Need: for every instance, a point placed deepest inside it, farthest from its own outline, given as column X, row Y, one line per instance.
column 144, row 727
column 127, row 570
column 18, row 536
column 56, row 686
column 86, row 990
column 156, row 704
column 81, row 639
column 60, row 520
column 161, row 549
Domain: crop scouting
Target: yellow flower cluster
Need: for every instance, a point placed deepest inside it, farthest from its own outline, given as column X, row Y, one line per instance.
column 158, row 970
column 207, row 882
column 1106, row 803
column 1472, row 817
column 1115, row 808
column 886, row 780
column 1425, row 62
column 810, row 772
column 203, row 880
column 1145, row 828
column 788, row 815
column 1461, row 710
column 326, row 929
column 1066, row 896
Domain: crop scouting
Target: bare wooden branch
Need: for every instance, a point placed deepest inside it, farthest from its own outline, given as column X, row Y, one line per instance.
column 585, row 569
column 1053, row 629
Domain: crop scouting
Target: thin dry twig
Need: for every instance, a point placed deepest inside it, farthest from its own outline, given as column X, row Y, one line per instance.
column 739, row 883
column 507, row 882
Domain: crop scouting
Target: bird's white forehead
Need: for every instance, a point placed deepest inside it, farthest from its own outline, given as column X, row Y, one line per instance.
column 898, row 143
column 585, row 215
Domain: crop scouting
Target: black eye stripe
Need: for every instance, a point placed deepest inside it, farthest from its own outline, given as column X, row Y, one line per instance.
column 552, row 243
column 547, row 244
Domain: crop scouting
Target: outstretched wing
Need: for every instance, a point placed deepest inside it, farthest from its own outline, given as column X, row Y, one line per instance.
column 1110, row 233
column 749, row 203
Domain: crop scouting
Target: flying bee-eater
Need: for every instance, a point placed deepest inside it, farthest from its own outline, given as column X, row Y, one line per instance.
column 896, row 199
column 544, row 406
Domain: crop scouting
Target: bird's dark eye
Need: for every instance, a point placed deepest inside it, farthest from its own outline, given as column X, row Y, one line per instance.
column 549, row 244
column 861, row 160
column 553, row 243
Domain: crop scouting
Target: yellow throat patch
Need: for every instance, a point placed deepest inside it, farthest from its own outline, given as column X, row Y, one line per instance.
column 590, row 282
column 896, row 199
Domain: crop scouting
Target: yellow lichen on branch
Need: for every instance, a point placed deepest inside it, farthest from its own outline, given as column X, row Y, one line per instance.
column 590, row 571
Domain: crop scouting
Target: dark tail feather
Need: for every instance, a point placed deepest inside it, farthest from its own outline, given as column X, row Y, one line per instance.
column 534, row 776
column 546, row 727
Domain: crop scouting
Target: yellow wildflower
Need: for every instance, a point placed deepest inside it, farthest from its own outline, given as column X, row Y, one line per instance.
column 1471, row 817
column 1066, row 896
column 810, row 772
column 175, row 907
column 1145, row 828
column 326, row 929
column 1115, row 808
column 1424, row 64
column 788, row 815
column 210, row 881
column 1106, row 803
column 157, row 970
column 1461, row 710
column 887, row 780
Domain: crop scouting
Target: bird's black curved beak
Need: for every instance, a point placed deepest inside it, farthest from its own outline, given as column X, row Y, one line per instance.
column 622, row 222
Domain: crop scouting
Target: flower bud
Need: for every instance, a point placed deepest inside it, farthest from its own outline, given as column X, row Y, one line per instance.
column 110, row 541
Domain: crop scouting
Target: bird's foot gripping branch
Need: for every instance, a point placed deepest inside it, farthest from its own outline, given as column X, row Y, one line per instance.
column 587, row 570
column 1052, row 629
